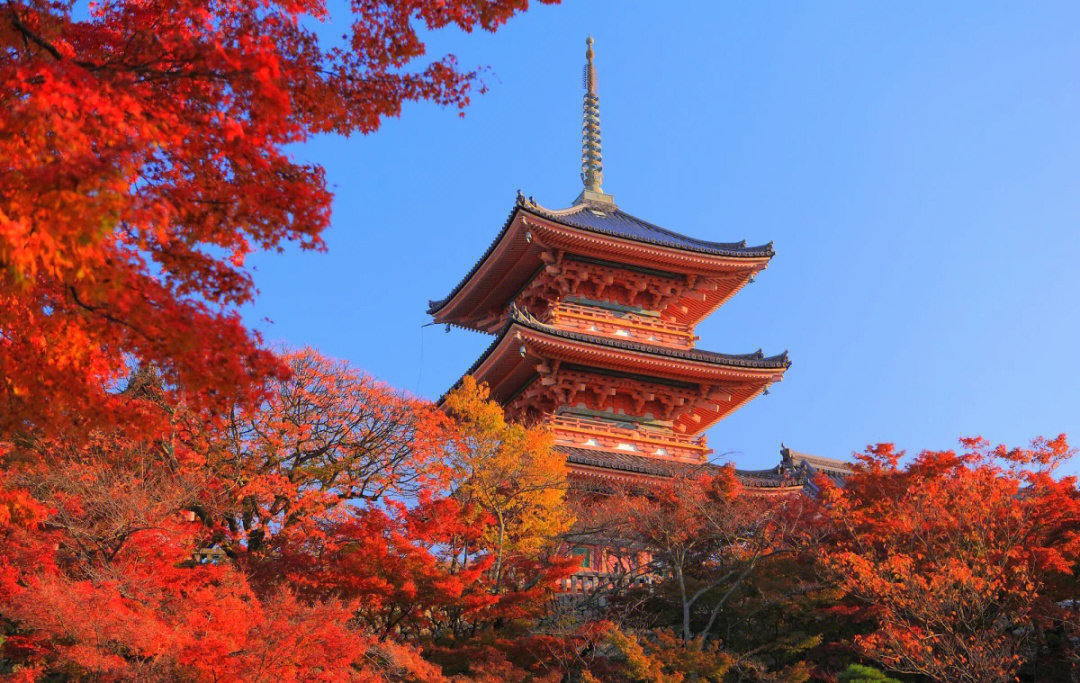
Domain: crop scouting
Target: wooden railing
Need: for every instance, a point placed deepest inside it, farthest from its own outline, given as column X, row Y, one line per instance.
column 609, row 436
column 629, row 326
column 588, row 582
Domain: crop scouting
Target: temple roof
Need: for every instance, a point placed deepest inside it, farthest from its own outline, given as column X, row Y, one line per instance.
column 628, row 462
column 830, row 466
column 608, row 220
column 809, row 466
column 757, row 359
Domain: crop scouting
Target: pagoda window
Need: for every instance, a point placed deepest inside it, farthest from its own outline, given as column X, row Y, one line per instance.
column 584, row 554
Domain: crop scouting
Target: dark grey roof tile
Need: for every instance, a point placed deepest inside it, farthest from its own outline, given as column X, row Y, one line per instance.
column 617, row 223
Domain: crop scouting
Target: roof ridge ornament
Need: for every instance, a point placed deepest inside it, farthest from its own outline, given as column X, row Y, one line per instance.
column 592, row 161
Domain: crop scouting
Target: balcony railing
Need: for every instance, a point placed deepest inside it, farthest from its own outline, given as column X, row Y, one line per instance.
column 589, row 582
column 637, row 328
column 580, row 430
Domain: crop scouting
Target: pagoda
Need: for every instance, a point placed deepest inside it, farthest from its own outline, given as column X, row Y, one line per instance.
column 593, row 313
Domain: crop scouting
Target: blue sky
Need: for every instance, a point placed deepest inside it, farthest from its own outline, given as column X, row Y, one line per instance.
column 916, row 164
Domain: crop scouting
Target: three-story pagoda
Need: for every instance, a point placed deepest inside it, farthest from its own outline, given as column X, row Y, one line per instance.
column 593, row 313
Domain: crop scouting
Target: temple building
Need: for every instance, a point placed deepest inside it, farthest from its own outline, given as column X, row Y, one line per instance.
column 593, row 312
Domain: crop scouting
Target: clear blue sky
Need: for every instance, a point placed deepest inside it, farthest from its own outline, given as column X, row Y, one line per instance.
column 916, row 164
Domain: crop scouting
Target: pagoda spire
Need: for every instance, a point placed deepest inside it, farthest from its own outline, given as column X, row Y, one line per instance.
column 592, row 161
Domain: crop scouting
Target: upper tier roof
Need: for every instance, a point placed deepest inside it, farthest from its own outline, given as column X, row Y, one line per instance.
column 598, row 231
column 611, row 220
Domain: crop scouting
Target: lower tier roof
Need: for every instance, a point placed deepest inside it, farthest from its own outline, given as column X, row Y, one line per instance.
column 792, row 473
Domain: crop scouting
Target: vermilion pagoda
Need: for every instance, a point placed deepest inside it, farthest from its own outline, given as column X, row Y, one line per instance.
column 593, row 312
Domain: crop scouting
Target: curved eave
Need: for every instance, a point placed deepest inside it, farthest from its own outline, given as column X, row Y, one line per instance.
column 757, row 359
column 612, row 221
column 832, row 467
column 624, row 466
column 507, row 370
column 513, row 259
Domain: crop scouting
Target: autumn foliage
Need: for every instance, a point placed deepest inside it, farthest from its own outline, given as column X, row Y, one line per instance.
column 340, row 530
column 178, row 502
column 690, row 557
column 142, row 156
column 964, row 560
column 333, row 530
column 949, row 566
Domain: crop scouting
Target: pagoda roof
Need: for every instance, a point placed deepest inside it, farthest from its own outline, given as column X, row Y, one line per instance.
column 732, row 379
column 595, row 230
column 757, row 359
column 611, row 220
column 630, row 463
column 782, row 477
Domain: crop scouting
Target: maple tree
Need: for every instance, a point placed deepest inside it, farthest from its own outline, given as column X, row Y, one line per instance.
column 316, row 481
column 508, row 486
column 510, row 472
column 143, row 155
column 102, row 578
column 708, row 536
column 335, row 529
column 157, row 531
column 434, row 527
column 322, row 436
column 963, row 560
column 688, row 563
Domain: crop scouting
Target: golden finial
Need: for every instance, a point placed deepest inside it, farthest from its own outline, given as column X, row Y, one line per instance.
column 592, row 163
column 590, row 68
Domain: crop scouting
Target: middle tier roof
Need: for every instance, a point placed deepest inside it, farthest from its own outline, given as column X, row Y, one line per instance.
column 541, row 368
